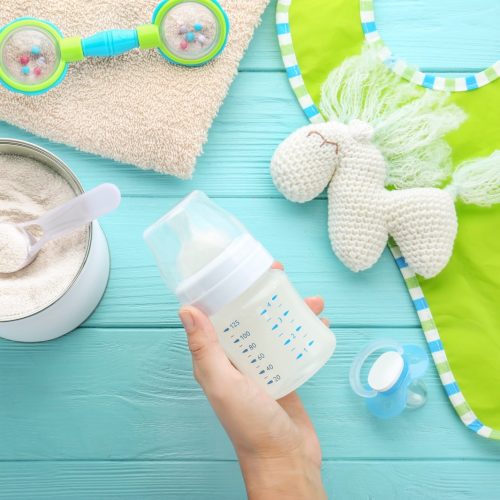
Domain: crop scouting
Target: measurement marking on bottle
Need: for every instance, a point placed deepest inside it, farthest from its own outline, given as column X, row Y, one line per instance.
column 263, row 312
column 266, row 377
column 287, row 342
column 270, row 382
column 236, row 341
column 299, row 356
column 293, row 349
column 253, row 361
column 226, row 330
column 274, row 297
column 257, row 366
column 310, row 343
column 298, row 328
column 280, row 335
column 249, row 356
column 262, row 372
column 245, row 351
column 274, row 327
column 286, row 313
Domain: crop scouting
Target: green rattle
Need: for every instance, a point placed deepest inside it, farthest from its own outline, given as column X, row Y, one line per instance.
column 34, row 55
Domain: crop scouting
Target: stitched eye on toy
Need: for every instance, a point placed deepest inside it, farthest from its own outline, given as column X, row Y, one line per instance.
column 325, row 141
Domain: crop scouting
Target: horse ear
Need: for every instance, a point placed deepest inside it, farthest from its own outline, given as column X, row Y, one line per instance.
column 361, row 131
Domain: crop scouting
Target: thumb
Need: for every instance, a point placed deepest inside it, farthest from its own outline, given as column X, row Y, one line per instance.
column 210, row 363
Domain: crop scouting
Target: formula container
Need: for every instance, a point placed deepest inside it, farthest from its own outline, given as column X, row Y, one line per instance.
column 209, row 260
column 80, row 299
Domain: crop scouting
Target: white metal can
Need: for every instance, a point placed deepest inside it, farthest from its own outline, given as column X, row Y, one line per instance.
column 84, row 293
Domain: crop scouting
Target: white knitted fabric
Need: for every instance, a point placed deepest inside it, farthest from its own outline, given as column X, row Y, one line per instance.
column 361, row 211
column 382, row 130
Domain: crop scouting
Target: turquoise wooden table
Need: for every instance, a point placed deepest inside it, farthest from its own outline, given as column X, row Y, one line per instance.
column 112, row 410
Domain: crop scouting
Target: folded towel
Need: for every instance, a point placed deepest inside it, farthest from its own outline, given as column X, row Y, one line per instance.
column 136, row 108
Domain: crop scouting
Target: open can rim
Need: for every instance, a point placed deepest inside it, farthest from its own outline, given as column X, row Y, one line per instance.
column 35, row 152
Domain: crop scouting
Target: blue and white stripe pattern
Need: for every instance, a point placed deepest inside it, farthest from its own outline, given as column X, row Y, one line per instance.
column 399, row 66
column 291, row 63
column 431, row 333
column 436, row 347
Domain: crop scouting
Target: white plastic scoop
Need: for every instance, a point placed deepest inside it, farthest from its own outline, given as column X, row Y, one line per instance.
column 18, row 247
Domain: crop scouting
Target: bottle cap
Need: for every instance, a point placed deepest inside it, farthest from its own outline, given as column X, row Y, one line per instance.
column 205, row 255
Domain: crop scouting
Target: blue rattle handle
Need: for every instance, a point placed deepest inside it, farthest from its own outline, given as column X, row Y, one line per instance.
column 110, row 43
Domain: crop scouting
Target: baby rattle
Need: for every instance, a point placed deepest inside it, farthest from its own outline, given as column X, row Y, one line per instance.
column 34, row 55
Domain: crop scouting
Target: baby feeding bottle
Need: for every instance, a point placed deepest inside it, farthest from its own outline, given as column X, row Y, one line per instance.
column 210, row 261
column 394, row 377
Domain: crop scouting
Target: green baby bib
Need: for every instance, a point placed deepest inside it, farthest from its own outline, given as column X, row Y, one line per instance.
column 459, row 309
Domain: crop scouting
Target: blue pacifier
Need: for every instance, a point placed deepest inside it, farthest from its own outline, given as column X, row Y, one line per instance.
column 389, row 376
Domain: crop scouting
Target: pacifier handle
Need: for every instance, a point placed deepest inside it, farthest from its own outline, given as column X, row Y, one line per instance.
column 355, row 372
column 418, row 360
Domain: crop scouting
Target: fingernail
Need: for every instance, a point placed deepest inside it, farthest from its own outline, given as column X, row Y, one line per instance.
column 187, row 319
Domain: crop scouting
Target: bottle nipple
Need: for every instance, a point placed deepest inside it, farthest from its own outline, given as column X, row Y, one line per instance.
column 199, row 245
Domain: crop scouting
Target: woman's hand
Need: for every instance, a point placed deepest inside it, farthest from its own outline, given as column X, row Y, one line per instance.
column 277, row 446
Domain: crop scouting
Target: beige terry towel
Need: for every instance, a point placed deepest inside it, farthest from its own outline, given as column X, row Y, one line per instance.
column 136, row 108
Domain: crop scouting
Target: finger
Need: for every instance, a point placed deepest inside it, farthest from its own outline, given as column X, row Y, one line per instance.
column 317, row 304
column 210, row 363
column 278, row 265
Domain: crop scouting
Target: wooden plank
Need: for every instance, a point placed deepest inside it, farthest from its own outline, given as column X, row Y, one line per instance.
column 444, row 36
column 441, row 36
column 257, row 115
column 263, row 53
column 295, row 234
column 100, row 394
column 392, row 480
column 259, row 112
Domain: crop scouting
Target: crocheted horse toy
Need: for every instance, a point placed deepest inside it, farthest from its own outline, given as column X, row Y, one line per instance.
column 384, row 132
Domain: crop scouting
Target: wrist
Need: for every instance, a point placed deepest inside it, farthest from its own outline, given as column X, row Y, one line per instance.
column 290, row 477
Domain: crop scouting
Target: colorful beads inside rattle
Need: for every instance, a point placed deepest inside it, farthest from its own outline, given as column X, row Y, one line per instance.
column 190, row 30
column 32, row 61
column 29, row 55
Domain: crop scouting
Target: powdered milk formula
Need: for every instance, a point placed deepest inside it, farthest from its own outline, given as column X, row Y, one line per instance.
column 28, row 189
